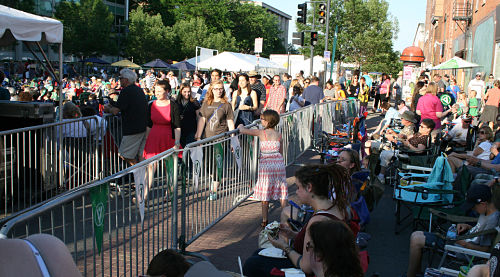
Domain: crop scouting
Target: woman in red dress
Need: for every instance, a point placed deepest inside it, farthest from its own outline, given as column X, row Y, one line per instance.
column 164, row 128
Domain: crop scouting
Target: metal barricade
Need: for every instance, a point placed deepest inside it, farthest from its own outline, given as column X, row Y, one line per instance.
column 109, row 160
column 38, row 162
column 295, row 128
column 218, row 174
column 178, row 206
column 81, row 216
column 332, row 115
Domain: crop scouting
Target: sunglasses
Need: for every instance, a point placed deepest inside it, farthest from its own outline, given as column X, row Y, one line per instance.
column 482, row 132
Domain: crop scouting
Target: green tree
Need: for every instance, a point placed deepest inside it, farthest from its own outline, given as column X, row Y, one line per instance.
column 87, row 27
column 23, row 5
column 253, row 22
column 366, row 33
column 244, row 22
column 194, row 32
column 148, row 38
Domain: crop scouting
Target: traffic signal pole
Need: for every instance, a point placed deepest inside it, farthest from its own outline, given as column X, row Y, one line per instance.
column 311, row 64
column 324, row 17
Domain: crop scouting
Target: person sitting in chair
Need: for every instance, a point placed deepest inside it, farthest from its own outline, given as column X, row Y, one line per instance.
column 481, row 151
column 416, row 143
column 408, row 120
column 478, row 199
column 457, row 136
column 390, row 113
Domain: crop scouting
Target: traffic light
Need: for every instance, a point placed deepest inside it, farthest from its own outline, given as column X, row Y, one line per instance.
column 302, row 13
column 298, row 38
column 314, row 38
column 322, row 14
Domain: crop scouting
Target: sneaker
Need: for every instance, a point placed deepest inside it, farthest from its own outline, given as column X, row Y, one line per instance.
column 379, row 110
column 212, row 196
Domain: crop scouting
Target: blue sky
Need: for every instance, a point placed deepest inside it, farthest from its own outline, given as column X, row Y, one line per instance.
column 408, row 12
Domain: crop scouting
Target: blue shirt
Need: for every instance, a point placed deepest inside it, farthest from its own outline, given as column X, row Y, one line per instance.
column 390, row 114
column 496, row 160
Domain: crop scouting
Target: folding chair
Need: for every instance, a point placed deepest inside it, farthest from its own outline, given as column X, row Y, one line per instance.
column 419, row 191
column 462, row 255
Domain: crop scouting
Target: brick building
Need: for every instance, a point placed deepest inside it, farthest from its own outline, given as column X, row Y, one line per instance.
column 464, row 28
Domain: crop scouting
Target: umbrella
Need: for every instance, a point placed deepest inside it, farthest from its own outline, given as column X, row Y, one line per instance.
column 455, row 63
column 157, row 63
column 184, row 65
column 94, row 60
column 125, row 63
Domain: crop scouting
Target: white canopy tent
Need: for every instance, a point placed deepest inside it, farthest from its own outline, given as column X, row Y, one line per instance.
column 26, row 27
column 230, row 61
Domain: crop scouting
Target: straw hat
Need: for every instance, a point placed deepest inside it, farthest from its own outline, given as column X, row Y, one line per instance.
column 254, row 73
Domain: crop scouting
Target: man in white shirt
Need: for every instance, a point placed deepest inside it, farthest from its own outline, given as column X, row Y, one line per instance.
column 478, row 85
column 458, row 134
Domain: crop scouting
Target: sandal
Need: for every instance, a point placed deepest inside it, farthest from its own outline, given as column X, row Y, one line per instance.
column 263, row 224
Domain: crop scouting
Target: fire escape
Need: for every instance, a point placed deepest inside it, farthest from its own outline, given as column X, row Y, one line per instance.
column 462, row 15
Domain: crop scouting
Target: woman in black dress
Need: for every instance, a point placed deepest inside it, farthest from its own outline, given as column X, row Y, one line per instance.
column 187, row 107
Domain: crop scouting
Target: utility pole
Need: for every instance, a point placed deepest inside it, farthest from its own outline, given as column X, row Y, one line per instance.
column 332, row 58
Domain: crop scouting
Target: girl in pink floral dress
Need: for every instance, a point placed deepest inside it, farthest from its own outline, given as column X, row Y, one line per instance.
column 271, row 183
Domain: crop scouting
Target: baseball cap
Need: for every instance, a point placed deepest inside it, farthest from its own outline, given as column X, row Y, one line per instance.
column 475, row 195
column 478, row 74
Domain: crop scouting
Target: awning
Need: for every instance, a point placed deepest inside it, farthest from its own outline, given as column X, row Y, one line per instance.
column 28, row 27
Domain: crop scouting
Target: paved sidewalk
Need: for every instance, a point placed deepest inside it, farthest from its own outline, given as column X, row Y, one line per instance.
column 237, row 234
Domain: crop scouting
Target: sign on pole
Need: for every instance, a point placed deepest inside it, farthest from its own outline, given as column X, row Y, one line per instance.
column 258, row 45
column 326, row 55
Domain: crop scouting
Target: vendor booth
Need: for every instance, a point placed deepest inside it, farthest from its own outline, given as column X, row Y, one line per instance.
column 230, row 61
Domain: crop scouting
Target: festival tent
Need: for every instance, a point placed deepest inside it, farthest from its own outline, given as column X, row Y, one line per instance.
column 157, row 63
column 455, row 63
column 125, row 63
column 26, row 27
column 184, row 65
column 230, row 61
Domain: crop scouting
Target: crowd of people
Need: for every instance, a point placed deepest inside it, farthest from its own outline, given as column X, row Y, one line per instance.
column 162, row 111
column 459, row 123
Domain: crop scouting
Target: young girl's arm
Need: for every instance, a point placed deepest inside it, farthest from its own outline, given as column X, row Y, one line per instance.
column 245, row 131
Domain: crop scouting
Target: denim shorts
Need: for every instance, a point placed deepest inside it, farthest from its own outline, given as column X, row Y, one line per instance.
column 431, row 240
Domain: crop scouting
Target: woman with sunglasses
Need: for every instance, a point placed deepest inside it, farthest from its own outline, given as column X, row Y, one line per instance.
column 481, row 151
column 326, row 188
column 215, row 117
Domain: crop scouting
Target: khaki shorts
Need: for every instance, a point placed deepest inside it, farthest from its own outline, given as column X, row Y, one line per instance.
column 132, row 146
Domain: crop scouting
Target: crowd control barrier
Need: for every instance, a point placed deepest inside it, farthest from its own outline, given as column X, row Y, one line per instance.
column 115, row 225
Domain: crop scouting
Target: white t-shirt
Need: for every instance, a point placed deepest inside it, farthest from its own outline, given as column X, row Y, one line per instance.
column 458, row 134
column 478, row 86
column 486, row 146
column 294, row 105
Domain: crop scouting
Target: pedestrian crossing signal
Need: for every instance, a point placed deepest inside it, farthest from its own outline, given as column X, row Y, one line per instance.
column 314, row 38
